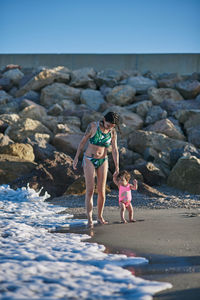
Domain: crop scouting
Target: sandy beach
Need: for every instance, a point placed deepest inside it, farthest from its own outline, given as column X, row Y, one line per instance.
column 166, row 233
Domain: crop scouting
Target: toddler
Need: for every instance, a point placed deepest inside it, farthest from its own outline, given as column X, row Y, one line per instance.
column 122, row 181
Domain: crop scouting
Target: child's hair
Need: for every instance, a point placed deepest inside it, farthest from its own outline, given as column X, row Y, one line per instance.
column 125, row 174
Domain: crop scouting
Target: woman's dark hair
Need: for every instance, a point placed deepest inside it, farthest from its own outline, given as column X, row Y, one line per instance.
column 113, row 117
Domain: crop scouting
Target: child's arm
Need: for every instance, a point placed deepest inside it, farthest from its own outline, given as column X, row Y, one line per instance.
column 115, row 180
column 134, row 186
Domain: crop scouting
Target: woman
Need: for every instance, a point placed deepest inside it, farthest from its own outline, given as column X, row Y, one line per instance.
column 101, row 135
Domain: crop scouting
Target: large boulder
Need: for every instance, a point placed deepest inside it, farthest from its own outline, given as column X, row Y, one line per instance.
column 139, row 140
column 92, row 98
column 190, row 118
column 141, row 83
column 189, row 88
column 108, row 77
column 185, row 175
column 12, row 167
column 4, row 97
column 45, row 77
column 25, row 128
column 34, row 112
column 23, row 151
column 83, row 78
column 151, row 173
column 157, row 96
column 154, row 114
column 15, row 75
column 67, row 143
column 5, row 140
column 166, row 127
column 54, row 175
column 193, row 134
column 168, row 80
column 57, row 92
column 140, row 108
column 121, row 95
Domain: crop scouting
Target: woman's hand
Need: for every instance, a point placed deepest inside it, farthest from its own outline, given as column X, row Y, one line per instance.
column 116, row 172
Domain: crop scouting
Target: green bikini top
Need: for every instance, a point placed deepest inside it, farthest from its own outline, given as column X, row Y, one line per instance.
column 100, row 138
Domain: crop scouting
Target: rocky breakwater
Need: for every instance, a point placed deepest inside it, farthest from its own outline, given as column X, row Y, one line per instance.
column 44, row 112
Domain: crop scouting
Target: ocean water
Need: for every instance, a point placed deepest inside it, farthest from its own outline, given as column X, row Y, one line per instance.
column 37, row 264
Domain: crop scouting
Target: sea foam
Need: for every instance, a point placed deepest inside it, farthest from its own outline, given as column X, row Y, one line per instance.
column 37, row 264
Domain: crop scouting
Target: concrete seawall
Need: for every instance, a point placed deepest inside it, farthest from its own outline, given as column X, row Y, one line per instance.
column 181, row 63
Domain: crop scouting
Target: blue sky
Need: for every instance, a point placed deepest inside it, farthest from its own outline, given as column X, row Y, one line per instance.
column 100, row 26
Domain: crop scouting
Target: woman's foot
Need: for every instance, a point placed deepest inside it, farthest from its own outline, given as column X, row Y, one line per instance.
column 123, row 221
column 90, row 224
column 102, row 221
column 132, row 221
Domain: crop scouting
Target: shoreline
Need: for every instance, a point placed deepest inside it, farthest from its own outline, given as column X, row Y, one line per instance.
column 166, row 233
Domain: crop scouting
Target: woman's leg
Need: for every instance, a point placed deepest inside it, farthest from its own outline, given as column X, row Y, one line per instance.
column 89, row 173
column 101, row 187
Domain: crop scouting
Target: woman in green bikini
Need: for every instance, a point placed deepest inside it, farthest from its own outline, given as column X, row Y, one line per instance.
column 101, row 135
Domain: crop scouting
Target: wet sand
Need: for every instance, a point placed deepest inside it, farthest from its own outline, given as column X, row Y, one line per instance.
column 168, row 238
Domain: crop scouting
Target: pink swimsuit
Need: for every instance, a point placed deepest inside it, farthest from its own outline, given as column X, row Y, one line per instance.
column 125, row 194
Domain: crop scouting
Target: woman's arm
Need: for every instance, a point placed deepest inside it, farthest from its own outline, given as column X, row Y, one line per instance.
column 82, row 145
column 115, row 153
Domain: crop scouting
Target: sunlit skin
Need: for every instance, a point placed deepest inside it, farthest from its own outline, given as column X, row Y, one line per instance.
column 89, row 170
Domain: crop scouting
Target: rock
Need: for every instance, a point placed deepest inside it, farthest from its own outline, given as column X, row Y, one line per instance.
column 108, row 77
column 55, row 110
column 83, row 78
column 127, row 157
column 187, row 150
column 92, row 98
column 68, row 105
column 12, row 167
column 89, row 117
column 140, row 108
column 78, row 188
column 185, row 175
column 33, row 96
column 15, row 75
column 139, row 140
column 5, row 84
column 54, row 175
column 157, row 96
column 189, row 88
column 23, row 151
column 151, row 173
column 11, row 67
column 149, row 191
column 67, row 143
column 5, row 140
column 9, row 119
column 121, row 95
column 193, row 134
column 34, row 112
column 42, row 148
column 155, row 114
column 172, row 106
column 166, row 127
column 57, row 92
column 45, row 77
column 129, row 120
column 168, row 80
column 24, row 128
column 190, row 118
column 141, row 83
column 4, row 97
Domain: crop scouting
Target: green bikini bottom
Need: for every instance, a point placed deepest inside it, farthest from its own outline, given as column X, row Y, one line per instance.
column 97, row 162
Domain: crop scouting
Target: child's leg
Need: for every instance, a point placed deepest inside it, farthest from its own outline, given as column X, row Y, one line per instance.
column 122, row 212
column 130, row 211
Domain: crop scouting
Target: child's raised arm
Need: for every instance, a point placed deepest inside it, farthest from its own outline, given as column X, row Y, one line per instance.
column 134, row 186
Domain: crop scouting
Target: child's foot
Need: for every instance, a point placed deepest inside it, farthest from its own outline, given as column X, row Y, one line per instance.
column 132, row 220
column 123, row 221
